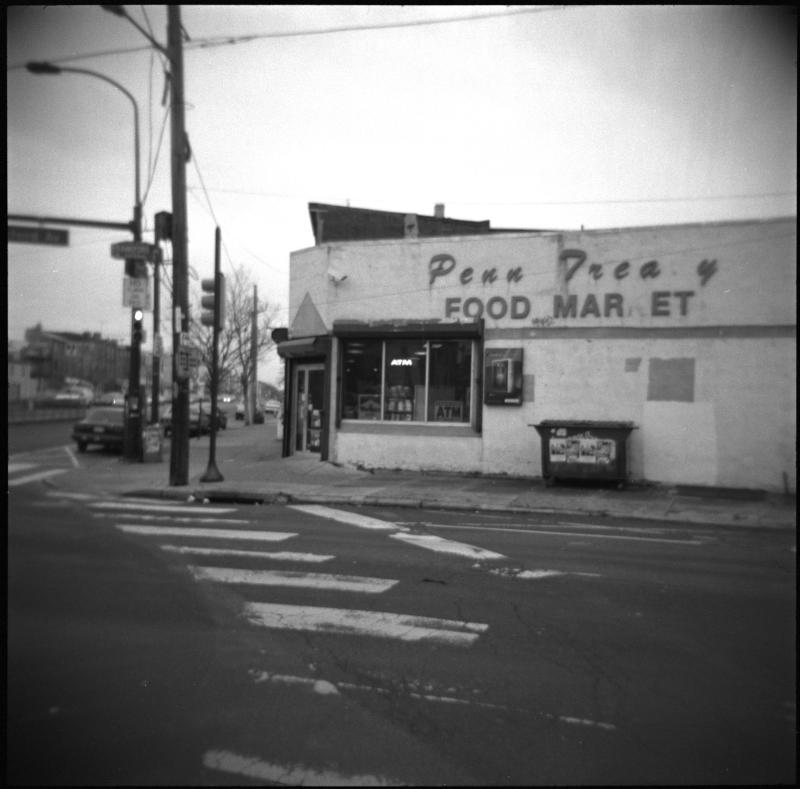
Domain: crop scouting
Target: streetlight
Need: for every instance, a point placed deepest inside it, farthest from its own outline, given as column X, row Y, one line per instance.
column 51, row 68
column 133, row 423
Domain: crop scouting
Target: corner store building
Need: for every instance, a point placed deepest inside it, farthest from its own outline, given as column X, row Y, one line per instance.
column 442, row 351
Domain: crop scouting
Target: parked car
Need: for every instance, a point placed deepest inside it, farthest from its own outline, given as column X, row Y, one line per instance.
column 222, row 417
column 110, row 398
column 199, row 420
column 272, row 407
column 258, row 416
column 71, row 398
column 103, row 425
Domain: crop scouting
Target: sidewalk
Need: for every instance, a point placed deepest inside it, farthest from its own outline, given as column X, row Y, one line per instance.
column 249, row 460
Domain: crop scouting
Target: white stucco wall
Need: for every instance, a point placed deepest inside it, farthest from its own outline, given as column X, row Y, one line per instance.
column 397, row 449
column 591, row 311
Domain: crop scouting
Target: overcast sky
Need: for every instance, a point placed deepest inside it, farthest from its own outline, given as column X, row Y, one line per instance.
column 528, row 116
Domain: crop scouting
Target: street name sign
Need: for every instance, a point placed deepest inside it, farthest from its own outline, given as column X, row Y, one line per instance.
column 38, row 235
column 136, row 250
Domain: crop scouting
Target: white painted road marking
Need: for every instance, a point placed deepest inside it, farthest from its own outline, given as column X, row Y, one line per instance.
column 351, row 518
column 364, row 623
column 341, row 583
column 439, row 544
column 13, row 468
column 123, row 505
column 228, row 534
column 401, row 532
column 279, row 556
column 75, row 496
column 39, row 475
column 172, row 519
column 289, row 775
column 325, row 688
column 563, row 533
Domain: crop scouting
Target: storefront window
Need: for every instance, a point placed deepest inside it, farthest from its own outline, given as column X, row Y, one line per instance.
column 449, row 377
column 407, row 380
column 361, row 383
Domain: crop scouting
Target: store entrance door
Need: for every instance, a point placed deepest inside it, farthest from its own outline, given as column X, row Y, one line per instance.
column 309, row 388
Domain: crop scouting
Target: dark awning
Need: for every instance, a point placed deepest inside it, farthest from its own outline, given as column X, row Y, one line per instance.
column 305, row 346
column 401, row 328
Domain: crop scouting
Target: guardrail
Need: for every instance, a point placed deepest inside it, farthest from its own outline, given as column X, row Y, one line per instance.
column 22, row 413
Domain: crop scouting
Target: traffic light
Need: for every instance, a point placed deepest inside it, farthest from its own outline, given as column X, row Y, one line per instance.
column 214, row 303
column 138, row 332
column 163, row 226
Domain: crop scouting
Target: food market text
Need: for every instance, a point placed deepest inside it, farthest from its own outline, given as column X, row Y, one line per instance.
column 571, row 262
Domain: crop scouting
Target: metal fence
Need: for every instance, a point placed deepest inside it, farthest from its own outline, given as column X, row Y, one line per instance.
column 24, row 411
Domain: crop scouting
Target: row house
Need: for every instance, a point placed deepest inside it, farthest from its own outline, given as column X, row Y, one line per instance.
column 56, row 356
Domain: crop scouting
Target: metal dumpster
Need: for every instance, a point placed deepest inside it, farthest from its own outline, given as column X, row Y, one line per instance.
column 584, row 449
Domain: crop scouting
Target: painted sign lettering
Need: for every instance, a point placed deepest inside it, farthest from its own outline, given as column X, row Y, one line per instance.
column 662, row 303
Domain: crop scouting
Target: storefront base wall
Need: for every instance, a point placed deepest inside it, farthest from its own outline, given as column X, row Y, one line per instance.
column 735, row 428
column 394, row 450
column 715, row 412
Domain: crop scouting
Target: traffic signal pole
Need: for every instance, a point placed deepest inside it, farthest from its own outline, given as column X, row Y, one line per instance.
column 132, row 441
column 179, row 445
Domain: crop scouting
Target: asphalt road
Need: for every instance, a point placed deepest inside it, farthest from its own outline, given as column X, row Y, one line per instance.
column 385, row 647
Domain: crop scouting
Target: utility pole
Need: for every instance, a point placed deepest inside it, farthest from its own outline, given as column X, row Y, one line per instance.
column 179, row 447
column 254, row 353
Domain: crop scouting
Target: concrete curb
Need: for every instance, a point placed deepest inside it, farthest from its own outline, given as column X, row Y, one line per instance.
column 243, row 496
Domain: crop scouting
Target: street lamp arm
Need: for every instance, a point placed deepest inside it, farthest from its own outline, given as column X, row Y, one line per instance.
column 50, row 68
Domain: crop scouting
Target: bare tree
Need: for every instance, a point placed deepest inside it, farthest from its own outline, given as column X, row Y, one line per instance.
column 235, row 349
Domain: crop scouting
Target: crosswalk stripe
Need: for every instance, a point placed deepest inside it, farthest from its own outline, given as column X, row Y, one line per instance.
column 228, row 534
column 341, row 583
column 352, row 518
column 12, row 483
column 63, row 494
column 123, row 505
column 381, row 624
column 280, row 556
column 13, row 468
column 439, row 544
column 173, row 519
column 287, row 774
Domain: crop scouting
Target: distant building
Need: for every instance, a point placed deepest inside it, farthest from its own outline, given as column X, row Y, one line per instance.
column 21, row 385
column 55, row 356
column 331, row 223
column 430, row 343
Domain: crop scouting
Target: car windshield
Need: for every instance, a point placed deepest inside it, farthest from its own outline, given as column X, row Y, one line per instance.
column 105, row 415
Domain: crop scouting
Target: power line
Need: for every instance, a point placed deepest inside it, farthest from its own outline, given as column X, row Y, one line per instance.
column 540, row 202
column 225, row 40
column 633, row 200
column 217, row 41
